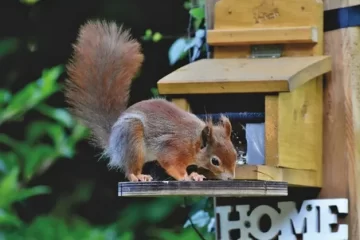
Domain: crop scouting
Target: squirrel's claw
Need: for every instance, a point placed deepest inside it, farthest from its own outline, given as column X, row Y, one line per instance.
column 139, row 178
column 196, row 177
column 144, row 178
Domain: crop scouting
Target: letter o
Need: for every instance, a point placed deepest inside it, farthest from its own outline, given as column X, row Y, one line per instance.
column 255, row 220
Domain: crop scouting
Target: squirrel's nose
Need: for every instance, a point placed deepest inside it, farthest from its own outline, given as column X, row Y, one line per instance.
column 226, row 177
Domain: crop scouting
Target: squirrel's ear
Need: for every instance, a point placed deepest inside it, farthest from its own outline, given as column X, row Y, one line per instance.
column 225, row 122
column 206, row 136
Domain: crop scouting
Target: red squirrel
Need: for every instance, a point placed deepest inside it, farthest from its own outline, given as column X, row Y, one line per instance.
column 100, row 72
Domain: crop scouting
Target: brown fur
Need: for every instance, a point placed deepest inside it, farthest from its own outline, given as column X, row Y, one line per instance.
column 104, row 62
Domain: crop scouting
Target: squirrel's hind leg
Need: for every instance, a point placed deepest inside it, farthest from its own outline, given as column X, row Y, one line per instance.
column 127, row 149
column 136, row 153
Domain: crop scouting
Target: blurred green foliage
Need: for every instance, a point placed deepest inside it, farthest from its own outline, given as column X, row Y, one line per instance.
column 56, row 136
column 23, row 159
column 183, row 45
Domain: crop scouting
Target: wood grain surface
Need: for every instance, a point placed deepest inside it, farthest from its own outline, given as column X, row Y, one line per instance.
column 342, row 119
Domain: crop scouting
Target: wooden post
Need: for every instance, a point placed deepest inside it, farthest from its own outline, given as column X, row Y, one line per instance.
column 341, row 123
column 341, row 172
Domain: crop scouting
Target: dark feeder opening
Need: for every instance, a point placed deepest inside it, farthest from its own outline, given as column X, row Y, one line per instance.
column 241, row 109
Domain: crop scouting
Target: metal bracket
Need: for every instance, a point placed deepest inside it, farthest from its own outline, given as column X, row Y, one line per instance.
column 266, row 51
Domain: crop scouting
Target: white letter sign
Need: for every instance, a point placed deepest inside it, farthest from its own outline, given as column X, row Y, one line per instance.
column 313, row 221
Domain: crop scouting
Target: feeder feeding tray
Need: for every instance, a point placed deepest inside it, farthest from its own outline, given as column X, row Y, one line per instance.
column 215, row 188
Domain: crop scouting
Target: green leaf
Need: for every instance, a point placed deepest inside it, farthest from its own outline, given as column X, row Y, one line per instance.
column 21, row 102
column 8, row 160
column 17, row 147
column 184, row 235
column 200, row 204
column 5, row 96
column 38, row 129
column 157, row 210
column 127, row 236
column 40, row 156
column 155, row 92
column 187, row 5
column 3, row 167
column 29, row 2
column 8, row 46
column 50, row 227
column 9, row 219
column 57, row 133
column 79, row 132
column 157, row 37
column 8, row 187
column 49, row 78
column 30, row 192
column 148, row 34
column 197, row 13
column 32, row 94
column 46, row 228
column 130, row 216
column 64, row 144
column 58, row 114
column 197, row 23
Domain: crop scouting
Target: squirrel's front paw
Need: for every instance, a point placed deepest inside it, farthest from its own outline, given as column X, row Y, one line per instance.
column 139, row 178
column 196, row 177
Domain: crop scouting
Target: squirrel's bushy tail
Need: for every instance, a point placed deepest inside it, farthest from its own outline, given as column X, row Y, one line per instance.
column 105, row 60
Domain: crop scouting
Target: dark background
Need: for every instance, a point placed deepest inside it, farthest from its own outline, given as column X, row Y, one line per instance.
column 50, row 27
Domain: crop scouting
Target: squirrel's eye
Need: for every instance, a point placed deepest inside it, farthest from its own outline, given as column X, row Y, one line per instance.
column 215, row 162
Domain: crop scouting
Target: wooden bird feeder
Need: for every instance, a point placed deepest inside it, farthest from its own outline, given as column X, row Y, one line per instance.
column 274, row 48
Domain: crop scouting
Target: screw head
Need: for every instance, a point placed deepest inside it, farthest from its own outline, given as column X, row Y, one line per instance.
column 309, row 208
